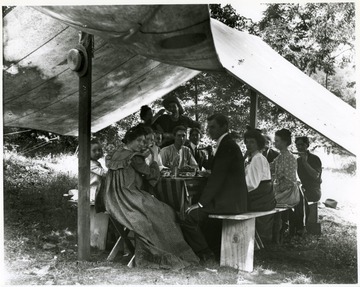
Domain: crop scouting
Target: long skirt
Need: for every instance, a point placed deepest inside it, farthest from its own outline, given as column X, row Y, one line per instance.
column 263, row 199
column 159, row 242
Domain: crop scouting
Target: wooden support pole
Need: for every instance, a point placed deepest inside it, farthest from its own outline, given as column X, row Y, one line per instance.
column 254, row 100
column 84, row 152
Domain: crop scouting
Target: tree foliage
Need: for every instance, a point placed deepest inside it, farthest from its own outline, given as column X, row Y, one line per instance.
column 318, row 38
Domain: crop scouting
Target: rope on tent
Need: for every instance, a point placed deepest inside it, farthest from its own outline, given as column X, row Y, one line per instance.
column 14, row 133
column 37, row 146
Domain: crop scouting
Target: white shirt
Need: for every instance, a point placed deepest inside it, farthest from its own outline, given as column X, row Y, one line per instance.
column 193, row 146
column 218, row 142
column 96, row 173
column 156, row 157
column 170, row 156
column 257, row 170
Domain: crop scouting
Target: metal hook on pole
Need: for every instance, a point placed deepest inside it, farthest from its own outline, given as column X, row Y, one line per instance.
column 78, row 58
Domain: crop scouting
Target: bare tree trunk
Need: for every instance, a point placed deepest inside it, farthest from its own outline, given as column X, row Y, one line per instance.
column 326, row 80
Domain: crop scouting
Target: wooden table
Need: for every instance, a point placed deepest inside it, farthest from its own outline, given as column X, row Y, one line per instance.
column 179, row 192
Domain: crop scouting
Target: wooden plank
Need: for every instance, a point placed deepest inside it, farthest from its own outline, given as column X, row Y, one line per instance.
column 84, row 155
column 99, row 223
column 237, row 244
column 248, row 215
column 254, row 101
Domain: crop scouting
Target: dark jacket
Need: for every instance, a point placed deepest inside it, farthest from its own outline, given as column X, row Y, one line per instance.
column 311, row 186
column 271, row 155
column 226, row 191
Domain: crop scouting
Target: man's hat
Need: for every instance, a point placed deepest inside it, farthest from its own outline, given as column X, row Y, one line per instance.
column 330, row 203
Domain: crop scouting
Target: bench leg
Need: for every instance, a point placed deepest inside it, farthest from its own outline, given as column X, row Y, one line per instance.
column 237, row 244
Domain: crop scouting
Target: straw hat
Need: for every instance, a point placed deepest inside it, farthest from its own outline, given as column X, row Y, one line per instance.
column 330, row 203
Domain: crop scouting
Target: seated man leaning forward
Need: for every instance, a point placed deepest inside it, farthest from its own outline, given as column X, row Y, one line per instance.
column 225, row 191
column 177, row 154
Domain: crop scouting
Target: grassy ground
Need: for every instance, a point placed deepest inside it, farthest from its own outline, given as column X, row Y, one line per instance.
column 40, row 238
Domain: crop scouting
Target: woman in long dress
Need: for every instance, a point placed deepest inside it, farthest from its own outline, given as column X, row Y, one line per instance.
column 159, row 242
column 284, row 169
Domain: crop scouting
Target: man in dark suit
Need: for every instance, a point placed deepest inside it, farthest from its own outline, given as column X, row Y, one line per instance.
column 193, row 143
column 225, row 191
column 268, row 152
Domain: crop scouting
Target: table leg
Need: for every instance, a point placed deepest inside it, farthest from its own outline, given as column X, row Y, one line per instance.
column 237, row 244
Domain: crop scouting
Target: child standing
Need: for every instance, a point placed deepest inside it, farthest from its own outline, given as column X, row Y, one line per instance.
column 96, row 170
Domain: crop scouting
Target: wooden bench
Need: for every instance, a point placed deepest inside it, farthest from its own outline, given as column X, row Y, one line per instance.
column 238, row 236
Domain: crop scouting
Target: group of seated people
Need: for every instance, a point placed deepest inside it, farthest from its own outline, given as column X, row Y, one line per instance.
column 270, row 173
column 235, row 184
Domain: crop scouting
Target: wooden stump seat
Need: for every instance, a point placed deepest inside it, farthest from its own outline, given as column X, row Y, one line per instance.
column 238, row 235
column 238, row 238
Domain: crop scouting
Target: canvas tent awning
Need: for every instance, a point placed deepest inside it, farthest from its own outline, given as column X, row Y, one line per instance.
column 142, row 52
